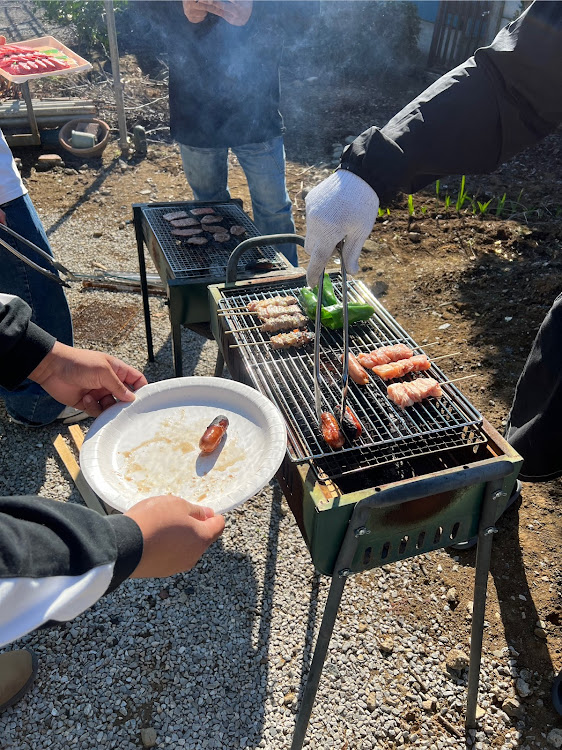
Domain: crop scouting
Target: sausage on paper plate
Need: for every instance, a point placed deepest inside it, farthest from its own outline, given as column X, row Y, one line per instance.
column 213, row 434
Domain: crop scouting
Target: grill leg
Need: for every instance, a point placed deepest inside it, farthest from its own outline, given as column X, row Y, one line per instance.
column 176, row 350
column 486, row 532
column 326, row 628
column 144, row 285
column 219, row 367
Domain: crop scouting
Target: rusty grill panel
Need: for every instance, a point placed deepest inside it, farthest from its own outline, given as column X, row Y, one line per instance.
column 187, row 261
column 389, row 434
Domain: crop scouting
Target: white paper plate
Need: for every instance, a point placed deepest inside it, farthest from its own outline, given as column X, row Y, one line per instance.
column 150, row 447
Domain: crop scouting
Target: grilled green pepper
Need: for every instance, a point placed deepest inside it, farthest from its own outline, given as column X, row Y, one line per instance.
column 332, row 315
column 328, row 294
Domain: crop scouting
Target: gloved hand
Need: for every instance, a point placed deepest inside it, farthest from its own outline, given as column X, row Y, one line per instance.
column 341, row 206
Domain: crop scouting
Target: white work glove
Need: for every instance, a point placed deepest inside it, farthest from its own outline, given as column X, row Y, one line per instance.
column 342, row 206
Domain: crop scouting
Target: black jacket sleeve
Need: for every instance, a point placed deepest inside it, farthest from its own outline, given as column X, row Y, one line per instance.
column 508, row 96
column 57, row 559
column 22, row 343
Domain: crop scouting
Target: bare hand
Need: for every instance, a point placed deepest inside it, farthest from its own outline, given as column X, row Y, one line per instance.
column 235, row 12
column 176, row 533
column 86, row 380
column 194, row 11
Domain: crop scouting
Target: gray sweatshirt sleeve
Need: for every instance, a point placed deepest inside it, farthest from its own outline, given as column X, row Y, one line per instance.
column 503, row 99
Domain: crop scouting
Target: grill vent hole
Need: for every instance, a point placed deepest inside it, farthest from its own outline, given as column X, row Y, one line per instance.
column 438, row 535
column 454, row 531
column 403, row 545
column 385, row 550
column 367, row 555
column 421, row 539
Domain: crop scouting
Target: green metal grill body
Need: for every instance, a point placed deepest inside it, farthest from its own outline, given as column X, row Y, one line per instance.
column 364, row 519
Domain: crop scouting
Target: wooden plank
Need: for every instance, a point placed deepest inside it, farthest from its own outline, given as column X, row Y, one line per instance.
column 86, row 492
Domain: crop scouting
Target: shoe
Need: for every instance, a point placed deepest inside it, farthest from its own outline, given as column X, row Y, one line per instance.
column 557, row 693
column 69, row 415
column 473, row 541
column 18, row 670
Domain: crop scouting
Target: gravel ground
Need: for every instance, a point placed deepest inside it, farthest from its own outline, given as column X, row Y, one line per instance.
column 216, row 658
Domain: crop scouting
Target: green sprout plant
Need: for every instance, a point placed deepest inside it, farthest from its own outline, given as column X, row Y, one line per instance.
column 462, row 196
column 447, row 202
column 437, row 187
column 411, row 209
column 483, row 207
column 501, row 204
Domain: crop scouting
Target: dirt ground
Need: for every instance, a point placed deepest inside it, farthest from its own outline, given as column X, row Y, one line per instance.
column 490, row 279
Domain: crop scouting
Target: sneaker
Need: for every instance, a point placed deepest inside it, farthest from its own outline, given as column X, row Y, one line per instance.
column 18, row 670
column 474, row 540
column 69, row 415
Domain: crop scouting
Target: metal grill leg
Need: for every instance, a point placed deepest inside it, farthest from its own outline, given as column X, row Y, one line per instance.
column 219, row 367
column 486, row 532
column 144, row 285
column 326, row 628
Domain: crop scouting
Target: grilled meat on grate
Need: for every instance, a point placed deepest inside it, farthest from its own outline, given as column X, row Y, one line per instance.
column 256, row 304
column 284, row 322
column 294, row 338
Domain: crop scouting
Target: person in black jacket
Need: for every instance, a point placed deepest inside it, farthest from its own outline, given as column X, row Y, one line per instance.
column 503, row 99
column 224, row 62
column 57, row 559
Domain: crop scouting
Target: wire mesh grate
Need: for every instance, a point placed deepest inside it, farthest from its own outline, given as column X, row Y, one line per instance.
column 195, row 261
column 389, row 433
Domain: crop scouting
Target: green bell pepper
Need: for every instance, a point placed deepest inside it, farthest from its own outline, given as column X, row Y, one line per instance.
column 332, row 315
column 328, row 294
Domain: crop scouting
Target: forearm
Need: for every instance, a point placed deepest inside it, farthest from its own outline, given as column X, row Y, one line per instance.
column 57, row 560
column 474, row 118
column 22, row 344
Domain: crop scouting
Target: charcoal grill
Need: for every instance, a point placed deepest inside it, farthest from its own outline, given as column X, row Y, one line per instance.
column 418, row 481
column 186, row 270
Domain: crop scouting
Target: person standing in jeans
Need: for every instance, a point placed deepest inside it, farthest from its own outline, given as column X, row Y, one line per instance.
column 224, row 94
column 29, row 404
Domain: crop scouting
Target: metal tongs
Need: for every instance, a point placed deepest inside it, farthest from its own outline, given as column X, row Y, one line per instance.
column 317, row 334
column 49, row 274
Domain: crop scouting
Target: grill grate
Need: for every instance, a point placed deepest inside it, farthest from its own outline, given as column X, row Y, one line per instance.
column 389, row 433
column 195, row 261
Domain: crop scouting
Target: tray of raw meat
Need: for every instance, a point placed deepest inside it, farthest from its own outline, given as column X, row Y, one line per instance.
column 34, row 58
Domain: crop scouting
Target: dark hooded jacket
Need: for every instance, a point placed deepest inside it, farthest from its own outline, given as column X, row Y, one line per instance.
column 506, row 97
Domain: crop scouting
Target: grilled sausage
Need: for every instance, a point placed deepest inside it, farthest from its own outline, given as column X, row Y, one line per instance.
column 351, row 426
column 330, row 431
column 356, row 372
column 213, row 434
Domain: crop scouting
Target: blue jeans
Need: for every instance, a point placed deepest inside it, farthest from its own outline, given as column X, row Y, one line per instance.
column 206, row 170
column 29, row 402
